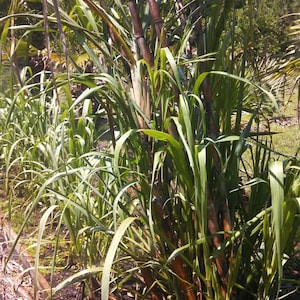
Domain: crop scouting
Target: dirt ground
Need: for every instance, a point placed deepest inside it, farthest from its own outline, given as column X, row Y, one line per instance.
column 16, row 274
column 15, row 282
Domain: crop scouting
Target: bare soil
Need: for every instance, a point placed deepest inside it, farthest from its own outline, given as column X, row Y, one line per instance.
column 16, row 273
column 15, row 282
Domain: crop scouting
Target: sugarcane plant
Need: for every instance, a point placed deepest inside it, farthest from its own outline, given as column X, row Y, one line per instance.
column 186, row 201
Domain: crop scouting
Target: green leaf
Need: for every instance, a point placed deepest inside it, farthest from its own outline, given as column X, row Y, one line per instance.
column 277, row 197
column 111, row 254
column 76, row 278
column 42, row 226
column 179, row 157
